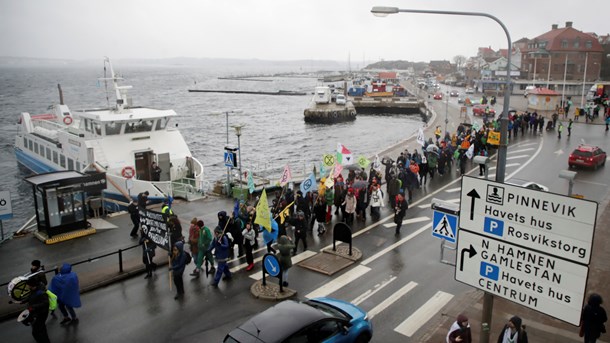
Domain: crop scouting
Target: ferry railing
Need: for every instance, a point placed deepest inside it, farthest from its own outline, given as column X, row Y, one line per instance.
column 273, row 169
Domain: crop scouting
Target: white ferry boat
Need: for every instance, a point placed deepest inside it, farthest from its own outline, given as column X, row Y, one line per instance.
column 122, row 141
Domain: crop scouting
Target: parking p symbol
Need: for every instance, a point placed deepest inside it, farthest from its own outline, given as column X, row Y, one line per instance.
column 494, row 226
column 489, row 271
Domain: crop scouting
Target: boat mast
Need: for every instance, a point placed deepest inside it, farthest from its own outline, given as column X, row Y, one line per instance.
column 121, row 91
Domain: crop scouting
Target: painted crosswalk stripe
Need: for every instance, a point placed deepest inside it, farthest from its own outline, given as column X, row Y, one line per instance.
column 339, row 282
column 391, row 299
column 508, row 165
column 526, row 144
column 452, row 190
column 423, row 314
column 408, row 221
column 516, row 157
column 521, row 150
column 393, row 246
column 429, row 205
column 369, row 293
column 295, row 259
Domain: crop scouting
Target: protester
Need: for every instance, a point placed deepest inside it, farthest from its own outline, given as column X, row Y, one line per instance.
column 513, row 332
column 285, row 245
column 178, row 263
column 249, row 240
column 65, row 285
column 37, row 272
column 592, row 319
column 38, row 307
column 300, row 231
column 220, row 245
column 134, row 214
column 399, row 211
column 460, row 330
column 205, row 239
column 148, row 254
column 194, row 233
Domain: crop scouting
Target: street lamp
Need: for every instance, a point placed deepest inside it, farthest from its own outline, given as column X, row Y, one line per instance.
column 446, row 111
column 382, row 11
column 238, row 133
column 227, row 126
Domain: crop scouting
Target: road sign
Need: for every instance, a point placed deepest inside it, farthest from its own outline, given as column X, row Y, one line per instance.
column 6, row 208
column 539, row 281
column 230, row 159
column 554, row 224
column 272, row 265
column 444, row 226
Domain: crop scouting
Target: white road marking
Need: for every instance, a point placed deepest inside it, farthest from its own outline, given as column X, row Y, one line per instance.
column 369, row 293
column 429, row 205
column 339, row 282
column 457, row 189
column 393, row 246
column 391, row 299
column 522, row 150
column 508, row 165
column 525, row 144
column 516, row 157
column 423, row 314
column 295, row 259
column 408, row 221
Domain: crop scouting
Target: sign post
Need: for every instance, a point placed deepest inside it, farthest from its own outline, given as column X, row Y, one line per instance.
column 527, row 246
column 271, row 266
column 445, row 225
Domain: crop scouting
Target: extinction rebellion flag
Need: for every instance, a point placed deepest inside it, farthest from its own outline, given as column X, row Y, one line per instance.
column 344, row 156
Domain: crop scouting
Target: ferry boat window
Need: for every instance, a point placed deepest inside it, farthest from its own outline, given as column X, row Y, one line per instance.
column 41, row 152
column 161, row 124
column 62, row 161
column 48, row 154
column 144, row 126
column 35, row 147
column 77, row 165
column 70, row 164
column 97, row 128
column 25, row 142
column 88, row 125
column 55, row 157
column 113, row 128
column 30, row 145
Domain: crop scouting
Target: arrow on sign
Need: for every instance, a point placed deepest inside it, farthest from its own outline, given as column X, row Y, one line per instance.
column 471, row 253
column 474, row 195
column 271, row 266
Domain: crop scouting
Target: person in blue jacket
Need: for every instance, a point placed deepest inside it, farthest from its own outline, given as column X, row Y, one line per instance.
column 220, row 245
column 178, row 263
column 65, row 286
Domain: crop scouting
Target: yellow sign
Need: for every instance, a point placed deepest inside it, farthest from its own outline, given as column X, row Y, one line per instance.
column 329, row 160
column 493, row 138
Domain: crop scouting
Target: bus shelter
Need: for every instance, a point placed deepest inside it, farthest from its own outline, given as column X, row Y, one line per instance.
column 60, row 199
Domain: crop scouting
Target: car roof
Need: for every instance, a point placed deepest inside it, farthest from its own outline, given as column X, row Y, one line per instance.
column 280, row 321
column 586, row 147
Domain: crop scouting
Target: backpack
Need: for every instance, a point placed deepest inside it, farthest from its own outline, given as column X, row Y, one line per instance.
column 189, row 258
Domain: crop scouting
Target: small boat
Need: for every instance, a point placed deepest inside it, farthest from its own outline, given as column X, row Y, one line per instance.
column 123, row 141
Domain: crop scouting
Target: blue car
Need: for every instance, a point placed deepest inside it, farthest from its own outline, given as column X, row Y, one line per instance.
column 316, row 320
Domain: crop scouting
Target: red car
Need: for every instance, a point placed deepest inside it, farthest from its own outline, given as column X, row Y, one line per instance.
column 438, row 96
column 587, row 156
column 479, row 110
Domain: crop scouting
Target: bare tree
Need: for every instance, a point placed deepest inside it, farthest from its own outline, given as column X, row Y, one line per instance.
column 459, row 61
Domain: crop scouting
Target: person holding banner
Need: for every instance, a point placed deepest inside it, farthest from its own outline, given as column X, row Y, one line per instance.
column 148, row 253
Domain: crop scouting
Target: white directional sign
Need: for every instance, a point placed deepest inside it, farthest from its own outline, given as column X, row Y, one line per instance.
column 6, row 209
column 550, row 223
column 539, row 281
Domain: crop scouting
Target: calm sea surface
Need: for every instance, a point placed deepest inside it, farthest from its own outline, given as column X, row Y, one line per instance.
column 275, row 133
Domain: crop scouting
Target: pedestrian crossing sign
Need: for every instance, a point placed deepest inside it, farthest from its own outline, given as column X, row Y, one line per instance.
column 230, row 159
column 444, row 226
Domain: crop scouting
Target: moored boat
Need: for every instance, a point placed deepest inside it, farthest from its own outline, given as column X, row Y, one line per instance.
column 123, row 141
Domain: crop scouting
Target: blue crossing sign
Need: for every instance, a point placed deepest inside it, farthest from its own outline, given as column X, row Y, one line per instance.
column 230, row 159
column 444, row 226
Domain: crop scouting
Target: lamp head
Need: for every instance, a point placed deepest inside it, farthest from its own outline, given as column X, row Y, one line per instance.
column 383, row 11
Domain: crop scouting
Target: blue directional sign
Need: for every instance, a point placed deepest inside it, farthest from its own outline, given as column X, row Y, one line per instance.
column 444, row 226
column 229, row 159
column 271, row 265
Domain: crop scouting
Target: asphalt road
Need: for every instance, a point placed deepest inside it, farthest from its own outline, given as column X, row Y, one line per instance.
column 400, row 280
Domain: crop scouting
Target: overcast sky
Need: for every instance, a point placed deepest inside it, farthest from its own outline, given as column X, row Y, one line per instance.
column 277, row 29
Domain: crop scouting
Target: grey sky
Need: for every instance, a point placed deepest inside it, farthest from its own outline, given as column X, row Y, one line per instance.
column 277, row 29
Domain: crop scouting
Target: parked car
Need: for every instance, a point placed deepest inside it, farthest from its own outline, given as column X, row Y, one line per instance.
column 341, row 100
column 438, row 96
column 314, row 320
column 527, row 184
column 479, row 110
column 469, row 90
column 587, row 156
column 454, row 93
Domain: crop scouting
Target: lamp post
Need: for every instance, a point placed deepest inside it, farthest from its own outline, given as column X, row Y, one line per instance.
column 446, row 111
column 238, row 133
column 227, row 126
column 502, row 148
